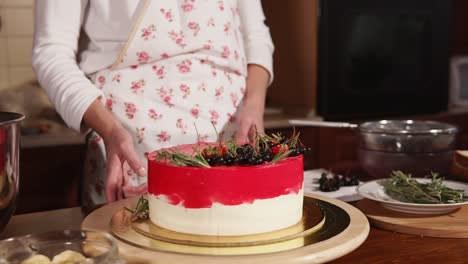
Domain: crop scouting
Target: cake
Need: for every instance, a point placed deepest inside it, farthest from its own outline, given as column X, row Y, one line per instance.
column 225, row 200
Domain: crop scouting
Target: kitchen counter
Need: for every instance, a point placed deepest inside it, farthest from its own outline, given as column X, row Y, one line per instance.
column 381, row 246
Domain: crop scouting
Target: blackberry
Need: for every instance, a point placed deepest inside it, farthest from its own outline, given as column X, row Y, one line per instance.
column 323, row 178
column 330, row 183
column 268, row 156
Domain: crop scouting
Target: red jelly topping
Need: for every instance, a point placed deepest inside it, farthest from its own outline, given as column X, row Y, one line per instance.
column 194, row 187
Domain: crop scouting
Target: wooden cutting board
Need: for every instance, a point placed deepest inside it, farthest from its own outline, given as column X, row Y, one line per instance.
column 453, row 225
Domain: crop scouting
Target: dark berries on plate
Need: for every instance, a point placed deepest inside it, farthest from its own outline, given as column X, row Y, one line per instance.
column 330, row 182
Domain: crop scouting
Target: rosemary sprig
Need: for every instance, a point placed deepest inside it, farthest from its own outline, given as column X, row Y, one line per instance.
column 182, row 159
column 141, row 211
column 281, row 155
column 265, row 148
column 404, row 188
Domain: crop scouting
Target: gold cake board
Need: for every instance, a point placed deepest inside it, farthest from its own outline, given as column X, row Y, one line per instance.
column 123, row 228
column 342, row 229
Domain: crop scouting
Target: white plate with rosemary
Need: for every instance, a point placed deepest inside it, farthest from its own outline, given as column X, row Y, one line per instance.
column 405, row 194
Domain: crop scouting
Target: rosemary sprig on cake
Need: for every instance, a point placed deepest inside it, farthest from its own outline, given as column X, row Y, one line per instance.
column 141, row 211
column 404, row 188
column 265, row 148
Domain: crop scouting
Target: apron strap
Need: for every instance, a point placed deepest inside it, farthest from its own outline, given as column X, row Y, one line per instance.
column 137, row 18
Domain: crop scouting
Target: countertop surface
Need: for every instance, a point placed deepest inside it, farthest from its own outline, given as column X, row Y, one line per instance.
column 381, row 246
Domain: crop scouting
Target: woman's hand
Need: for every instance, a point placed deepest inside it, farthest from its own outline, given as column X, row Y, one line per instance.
column 119, row 150
column 250, row 121
column 251, row 114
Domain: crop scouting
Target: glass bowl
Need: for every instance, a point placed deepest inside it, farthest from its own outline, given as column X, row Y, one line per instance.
column 96, row 246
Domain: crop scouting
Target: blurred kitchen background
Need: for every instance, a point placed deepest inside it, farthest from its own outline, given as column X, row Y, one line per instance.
column 308, row 84
column 19, row 90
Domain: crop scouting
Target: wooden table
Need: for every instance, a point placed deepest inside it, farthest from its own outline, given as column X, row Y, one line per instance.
column 380, row 247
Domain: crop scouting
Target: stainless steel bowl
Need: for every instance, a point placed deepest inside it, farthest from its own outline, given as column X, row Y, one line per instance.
column 9, row 164
column 407, row 136
column 411, row 146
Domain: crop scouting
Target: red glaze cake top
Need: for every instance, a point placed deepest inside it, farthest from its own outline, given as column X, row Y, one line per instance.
column 195, row 187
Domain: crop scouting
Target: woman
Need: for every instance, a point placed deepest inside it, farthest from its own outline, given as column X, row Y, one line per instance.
column 154, row 73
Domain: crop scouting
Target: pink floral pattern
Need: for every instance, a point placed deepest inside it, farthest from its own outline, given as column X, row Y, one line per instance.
column 227, row 28
column 101, row 81
column 160, row 71
column 211, row 22
column 202, row 87
column 147, row 33
column 185, row 66
column 221, row 5
column 110, row 101
column 163, row 136
column 226, row 52
column 166, row 95
column 130, row 110
column 188, row 5
column 182, row 126
column 178, row 37
column 167, row 14
column 117, row 77
column 143, row 57
column 154, row 115
column 137, row 86
column 219, row 93
column 214, row 116
column 208, row 45
column 234, row 99
column 195, row 111
column 185, row 89
column 195, row 27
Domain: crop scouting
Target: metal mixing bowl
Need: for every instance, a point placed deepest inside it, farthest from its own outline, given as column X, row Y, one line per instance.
column 9, row 164
column 416, row 147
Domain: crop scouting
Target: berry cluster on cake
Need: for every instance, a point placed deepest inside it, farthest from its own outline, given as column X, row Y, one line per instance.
column 225, row 189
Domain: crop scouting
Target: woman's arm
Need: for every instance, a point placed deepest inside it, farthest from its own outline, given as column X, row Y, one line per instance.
column 57, row 29
column 251, row 113
column 119, row 149
column 259, row 52
column 58, row 25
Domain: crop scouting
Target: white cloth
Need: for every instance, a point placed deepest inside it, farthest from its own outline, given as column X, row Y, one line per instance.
column 107, row 24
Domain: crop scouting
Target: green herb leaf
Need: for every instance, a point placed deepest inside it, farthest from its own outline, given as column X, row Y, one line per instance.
column 141, row 211
column 404, row 188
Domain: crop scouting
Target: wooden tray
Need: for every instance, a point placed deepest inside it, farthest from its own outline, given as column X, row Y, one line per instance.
column 338, row 245
column 452, row 225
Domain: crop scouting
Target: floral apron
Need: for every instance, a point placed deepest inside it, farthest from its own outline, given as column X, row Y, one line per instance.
column 179, row 79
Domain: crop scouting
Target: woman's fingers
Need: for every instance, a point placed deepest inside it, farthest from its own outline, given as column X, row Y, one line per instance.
column 242, row 133
column 114, row 179
column 133, row 160
column 131, row 191
column 247, row 131
column 255, row 129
